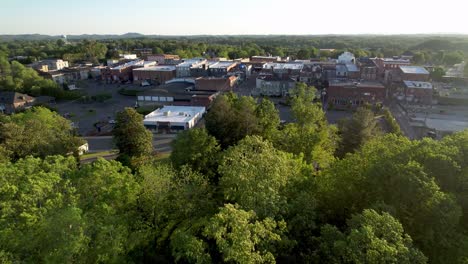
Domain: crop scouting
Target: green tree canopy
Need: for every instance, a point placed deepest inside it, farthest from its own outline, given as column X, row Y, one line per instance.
column 38, row 132
column 131, row 136
column 370, row 238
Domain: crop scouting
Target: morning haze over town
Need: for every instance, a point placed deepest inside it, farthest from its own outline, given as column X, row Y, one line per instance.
column 219, row 131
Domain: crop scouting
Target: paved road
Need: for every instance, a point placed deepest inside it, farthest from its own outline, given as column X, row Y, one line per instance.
column 403, row 121
column 162, row 143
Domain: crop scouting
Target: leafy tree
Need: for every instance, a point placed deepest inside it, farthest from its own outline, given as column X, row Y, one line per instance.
column 303, row 54
column 38, row 132
column 371, row 238
column 131, row 136
column 268, row 119
column 453, row 57
column 40, row 219
column 175, row 206
column 241, row 238
column 196, row 148
column 232, row 117
column 255, row 176
column 310, row 134
column 381, row 175
column 107, row 194
column 356, row 131
column 437, row 74
column 394, row 127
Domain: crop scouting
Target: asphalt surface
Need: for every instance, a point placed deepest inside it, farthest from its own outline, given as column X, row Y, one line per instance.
column 161, row 143
column 85, row 115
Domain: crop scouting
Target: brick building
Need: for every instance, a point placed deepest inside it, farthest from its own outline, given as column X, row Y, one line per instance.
column 368, row 69
column 167, row 59
column 121, row 72
column 155, row 74
column 176, row 93
column 418, row 92
column 270, row 85
column 264, row 59
column 344, row 94
column 413, row 73
column 215, row 83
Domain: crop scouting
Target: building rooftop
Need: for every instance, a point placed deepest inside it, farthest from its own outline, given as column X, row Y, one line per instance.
column 191, row 63
column 357, row 84
column 414, row 70
column 352, row 68
column 14, row 97
column 283, row 66
column 419, row 85
column 341, row 68
column 174, row 114
column 222, row 64
column 157, row 68
column 395, row 60
column 178, row 90
column 128, row 64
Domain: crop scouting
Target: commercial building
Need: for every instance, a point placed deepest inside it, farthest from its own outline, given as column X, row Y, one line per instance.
column 368, row 69
column 341, row 71
column 280, row 69
column 270, row 85
column 10, row 102
column 155, row 74
column 387, row 68
column 418, row 92
column 413, row 73
column 121, row 72
column 264, row 59
column 221, row 68
column 173, row 118
column 68, row 75
column 215, row 83
column 55, row 64
column 167, row 59
column 353, row 71
column 180, row 93
column 344, row 94
column 183, row 69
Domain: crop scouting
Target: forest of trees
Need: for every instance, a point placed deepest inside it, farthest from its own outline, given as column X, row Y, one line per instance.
column 245, row 189
column 425, row 49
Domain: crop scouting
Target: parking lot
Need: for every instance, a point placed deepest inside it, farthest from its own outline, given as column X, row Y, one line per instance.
column 86, row 115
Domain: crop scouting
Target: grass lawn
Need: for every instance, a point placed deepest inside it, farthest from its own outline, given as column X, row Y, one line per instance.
column 163, row 157
column 98, row 154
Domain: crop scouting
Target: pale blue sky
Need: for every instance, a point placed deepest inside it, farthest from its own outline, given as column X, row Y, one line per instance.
column 184, row 17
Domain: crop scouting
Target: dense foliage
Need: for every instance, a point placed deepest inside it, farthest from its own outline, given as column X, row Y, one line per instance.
column 14, row 76
column 270, row 194
column 426, row 49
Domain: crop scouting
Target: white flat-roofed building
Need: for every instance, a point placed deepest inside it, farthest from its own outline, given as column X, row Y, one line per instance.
column 174, row 118
column 129, row 56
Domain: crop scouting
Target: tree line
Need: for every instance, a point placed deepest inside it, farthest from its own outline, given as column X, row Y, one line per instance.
column 424, row 49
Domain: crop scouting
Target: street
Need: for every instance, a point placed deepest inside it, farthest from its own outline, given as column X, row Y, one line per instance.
column 161, row 143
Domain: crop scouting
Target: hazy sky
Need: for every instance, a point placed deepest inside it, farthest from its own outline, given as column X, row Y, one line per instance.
column 184, row 17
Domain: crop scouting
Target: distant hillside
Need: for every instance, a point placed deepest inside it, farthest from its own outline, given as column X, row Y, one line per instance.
column 30, row 37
